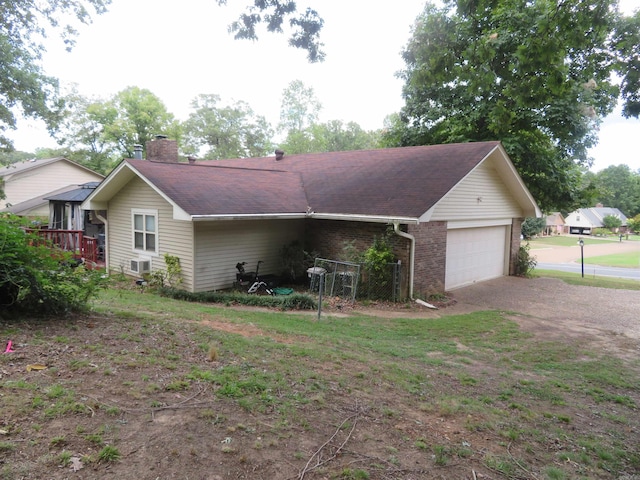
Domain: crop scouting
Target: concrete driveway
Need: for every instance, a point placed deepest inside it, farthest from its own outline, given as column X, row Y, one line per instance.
column 552, row 309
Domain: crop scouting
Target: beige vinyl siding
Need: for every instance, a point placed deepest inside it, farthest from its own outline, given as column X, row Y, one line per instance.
column 40, row 211
column 175, row 237
column 480, row 195
column 39, row 181
column 221, row 245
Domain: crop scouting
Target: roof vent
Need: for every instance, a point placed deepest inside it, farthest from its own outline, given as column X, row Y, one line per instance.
column 279, row 154
column 191, row 159
column 137, row 152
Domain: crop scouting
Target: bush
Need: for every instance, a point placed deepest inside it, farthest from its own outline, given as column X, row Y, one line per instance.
column 525, row 263
column 296, row 301
column 36, row 279
column 532, row 226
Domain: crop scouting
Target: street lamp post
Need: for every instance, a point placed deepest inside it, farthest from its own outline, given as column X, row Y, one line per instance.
column 581, row 243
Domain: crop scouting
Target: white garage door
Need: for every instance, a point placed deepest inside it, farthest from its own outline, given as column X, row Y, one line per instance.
column 475, row 254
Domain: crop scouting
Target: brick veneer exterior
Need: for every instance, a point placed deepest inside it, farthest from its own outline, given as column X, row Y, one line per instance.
column 516, row 230
column 162, row 150
column 431, row 257
column 329, row 237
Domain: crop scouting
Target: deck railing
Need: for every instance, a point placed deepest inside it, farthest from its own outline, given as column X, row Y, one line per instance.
column 73, row 241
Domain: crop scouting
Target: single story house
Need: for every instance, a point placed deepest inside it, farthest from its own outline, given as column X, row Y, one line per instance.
column 584, row 220
column 554, row 224
column 455, row 210
column 28, row 184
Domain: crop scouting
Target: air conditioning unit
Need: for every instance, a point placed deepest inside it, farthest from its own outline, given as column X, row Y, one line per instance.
column 140, row 265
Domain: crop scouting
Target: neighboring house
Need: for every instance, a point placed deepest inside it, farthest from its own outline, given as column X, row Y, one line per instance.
column 456, row 211
column 27, row 184
column 584, row 220
column 65, row 212
column 554, row 224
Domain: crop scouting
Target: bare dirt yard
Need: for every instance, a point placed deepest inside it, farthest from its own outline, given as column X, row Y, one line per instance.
column 142, row 396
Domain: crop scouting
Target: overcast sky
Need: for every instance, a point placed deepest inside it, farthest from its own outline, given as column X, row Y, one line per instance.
column 178, row 53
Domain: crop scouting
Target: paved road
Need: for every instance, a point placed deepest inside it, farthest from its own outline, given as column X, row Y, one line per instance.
column 567, row 259
column 589, row 270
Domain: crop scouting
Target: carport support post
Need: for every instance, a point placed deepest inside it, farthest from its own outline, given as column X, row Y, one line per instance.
column 581, row 243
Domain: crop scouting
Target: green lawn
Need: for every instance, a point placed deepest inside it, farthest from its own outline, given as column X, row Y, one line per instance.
column 626, row 260
column 589, row 280
column 565, row 241
column 148, row 381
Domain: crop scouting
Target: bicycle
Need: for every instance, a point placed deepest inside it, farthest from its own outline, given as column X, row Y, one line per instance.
column 257, row 284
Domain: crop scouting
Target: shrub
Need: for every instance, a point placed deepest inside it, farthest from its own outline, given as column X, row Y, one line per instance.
column 525, row 263
column 296, row 301
column 532, row 226
column 611, row 222
column 295, row 261
column 37, row 279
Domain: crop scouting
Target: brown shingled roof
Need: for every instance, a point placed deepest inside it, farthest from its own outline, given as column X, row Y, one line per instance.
column 219, row 190
column 391, row 182
column 403, row 182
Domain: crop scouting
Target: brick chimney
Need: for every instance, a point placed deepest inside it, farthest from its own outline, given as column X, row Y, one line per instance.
column 161, row 149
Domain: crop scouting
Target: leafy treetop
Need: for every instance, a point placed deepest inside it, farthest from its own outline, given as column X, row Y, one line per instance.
column 535, row 74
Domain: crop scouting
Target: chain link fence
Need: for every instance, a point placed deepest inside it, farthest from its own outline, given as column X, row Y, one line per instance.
column 385, row 284
column 350, row 281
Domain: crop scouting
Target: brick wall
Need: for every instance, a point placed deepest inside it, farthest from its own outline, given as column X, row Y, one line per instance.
column 430, row 259
column 163, row 150
column 516, row 228
column 329, row 237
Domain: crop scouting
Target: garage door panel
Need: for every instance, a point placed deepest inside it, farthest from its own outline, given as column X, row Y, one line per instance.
column 475, row 254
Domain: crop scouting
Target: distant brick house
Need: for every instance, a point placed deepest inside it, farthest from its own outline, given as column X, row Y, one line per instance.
column 456, row 211
column 554, row 224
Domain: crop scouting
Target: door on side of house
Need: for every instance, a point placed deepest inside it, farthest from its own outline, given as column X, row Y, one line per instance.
column 476, row 254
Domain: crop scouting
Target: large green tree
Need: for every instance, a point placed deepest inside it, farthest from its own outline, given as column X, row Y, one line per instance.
column 107, row 130
column 618, row 186
column 226, row 131
column 82, row 132
column 299, row 107
column 535, row 74
column 299, row 120
column 25, row 89
column 332, row 136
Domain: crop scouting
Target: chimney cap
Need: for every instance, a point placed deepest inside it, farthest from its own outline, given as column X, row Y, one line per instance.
column 160, row 137
column 137, row 151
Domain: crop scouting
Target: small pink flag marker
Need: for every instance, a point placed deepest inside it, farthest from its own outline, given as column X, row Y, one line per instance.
column 9, row 347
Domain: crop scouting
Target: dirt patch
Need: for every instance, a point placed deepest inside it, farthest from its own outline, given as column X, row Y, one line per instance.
column 125, row 383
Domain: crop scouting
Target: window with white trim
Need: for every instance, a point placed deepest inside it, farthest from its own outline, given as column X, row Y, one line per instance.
column 145, row 231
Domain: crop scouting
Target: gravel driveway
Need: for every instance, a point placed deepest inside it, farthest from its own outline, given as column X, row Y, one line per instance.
column 553, row 309
column 557, row 304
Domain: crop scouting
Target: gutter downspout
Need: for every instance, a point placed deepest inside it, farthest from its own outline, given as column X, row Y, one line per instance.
column 412, row 259
column 106, row 236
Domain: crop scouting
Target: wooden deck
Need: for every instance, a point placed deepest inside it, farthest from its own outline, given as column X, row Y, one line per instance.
column 82, row 247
